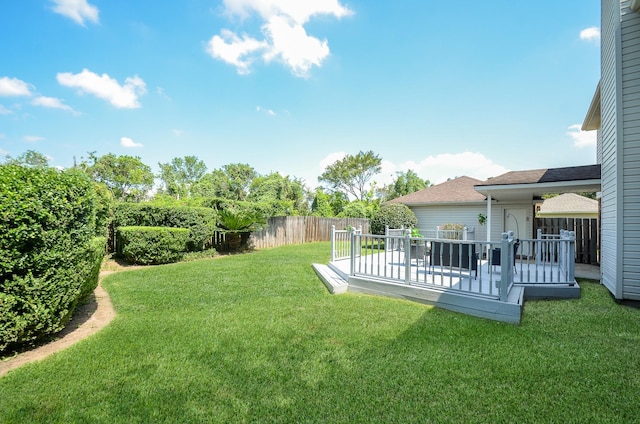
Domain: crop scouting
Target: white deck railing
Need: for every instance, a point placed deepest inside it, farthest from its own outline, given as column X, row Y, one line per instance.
column 341, row 242
column 475, row 267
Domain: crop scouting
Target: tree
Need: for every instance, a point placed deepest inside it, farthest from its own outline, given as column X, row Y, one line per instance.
column 351, row 174
column 405, row 183
column 30, row 158
column 274, row 188
column 393, row 215
column 181, row 174
column 231, row 182
column 321, row 205
column 126, row 176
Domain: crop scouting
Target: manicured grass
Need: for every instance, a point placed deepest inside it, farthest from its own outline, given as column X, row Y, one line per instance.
column 257, row 338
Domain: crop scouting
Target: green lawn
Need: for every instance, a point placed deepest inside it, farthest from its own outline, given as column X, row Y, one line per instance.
column 257, row 338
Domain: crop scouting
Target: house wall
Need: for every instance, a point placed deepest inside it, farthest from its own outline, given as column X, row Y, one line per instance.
column 607, row 149
column 630, row 190
column 429, row 217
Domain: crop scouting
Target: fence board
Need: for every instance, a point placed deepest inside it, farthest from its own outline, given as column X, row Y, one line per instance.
column 284, row 230
column 587, row 235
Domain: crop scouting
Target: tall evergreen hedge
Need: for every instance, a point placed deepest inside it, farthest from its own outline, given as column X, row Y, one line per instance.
column 200, row 221
column 47, row 256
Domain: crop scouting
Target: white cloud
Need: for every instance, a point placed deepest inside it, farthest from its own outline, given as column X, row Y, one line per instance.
column 50, row 102
column 33, row 138
column 285, row 38
column 5, row 111
column 298, row 11
column 590, row 34
column 177, row 132
column 291, row 45
column 582, row 138
column 78, row 10
column 440, row 168
column 269, row 112
column 129, row 143
column 13, row 87
column 105, row 87
column 234, row 50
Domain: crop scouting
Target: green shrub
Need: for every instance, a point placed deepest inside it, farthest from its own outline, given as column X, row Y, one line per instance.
column 47, row 221
column 200, row 221
column 93, row 259
column 393, row 215
column 152, row 245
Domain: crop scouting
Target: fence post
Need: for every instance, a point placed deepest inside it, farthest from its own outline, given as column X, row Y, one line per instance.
column 506, row 265
column 465, row 233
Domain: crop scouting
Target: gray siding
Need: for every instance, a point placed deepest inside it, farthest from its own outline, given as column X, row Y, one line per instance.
column 429, row 217
column 608, row 152
column 630, row 41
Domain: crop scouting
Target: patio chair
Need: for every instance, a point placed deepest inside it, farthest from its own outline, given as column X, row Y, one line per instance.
column 496, row 255
column 454, row 255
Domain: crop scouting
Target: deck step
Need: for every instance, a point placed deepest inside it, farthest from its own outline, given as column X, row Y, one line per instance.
column 335, row 283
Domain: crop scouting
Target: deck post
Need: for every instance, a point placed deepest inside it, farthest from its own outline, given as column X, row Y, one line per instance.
column 506, row 265
column 539, row 247
column 571, row 256
column 352, row 265
column 407, row 257
column 333, row 243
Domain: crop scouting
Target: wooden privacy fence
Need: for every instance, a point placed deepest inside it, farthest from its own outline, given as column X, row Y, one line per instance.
column 587, row 231
column 283, row 230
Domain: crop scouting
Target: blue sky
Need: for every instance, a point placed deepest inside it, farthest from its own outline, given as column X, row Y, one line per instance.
column 443, row 88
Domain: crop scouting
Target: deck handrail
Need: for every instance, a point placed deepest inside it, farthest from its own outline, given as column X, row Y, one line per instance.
column 460, row 268
column 341, row 242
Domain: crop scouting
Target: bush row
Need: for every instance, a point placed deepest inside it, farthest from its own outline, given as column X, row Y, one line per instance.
column 48, row 259
column 200, row 221
column 152, row 245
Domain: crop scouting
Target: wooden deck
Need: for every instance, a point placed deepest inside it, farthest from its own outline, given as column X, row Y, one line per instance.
column 456, row 289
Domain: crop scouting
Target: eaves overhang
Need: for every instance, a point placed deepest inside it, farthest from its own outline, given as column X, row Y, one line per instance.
column 528, row 191
column 593, row 119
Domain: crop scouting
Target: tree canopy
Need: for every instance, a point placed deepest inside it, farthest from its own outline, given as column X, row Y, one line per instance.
column 126, row 176
column 352, row 173
column 30, row 158
column 180, row 174
column 403, row 184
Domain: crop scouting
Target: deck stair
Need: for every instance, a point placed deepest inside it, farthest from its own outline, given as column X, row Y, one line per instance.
column 334, row 280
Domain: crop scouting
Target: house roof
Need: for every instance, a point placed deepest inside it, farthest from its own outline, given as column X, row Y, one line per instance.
column 457, row 190
column 536, row 182
column 569, row 205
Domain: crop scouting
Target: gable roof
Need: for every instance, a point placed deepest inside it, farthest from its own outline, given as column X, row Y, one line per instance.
column 457, row 190
column 569, row 205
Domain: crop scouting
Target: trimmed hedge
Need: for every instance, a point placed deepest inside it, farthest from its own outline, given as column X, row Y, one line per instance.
column 394, row 215
column 200, row 221
column 152, row 245
column 94, row 255
column 47, row 222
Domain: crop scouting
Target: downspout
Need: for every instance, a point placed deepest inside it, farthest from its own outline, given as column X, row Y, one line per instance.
column 635, row 5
